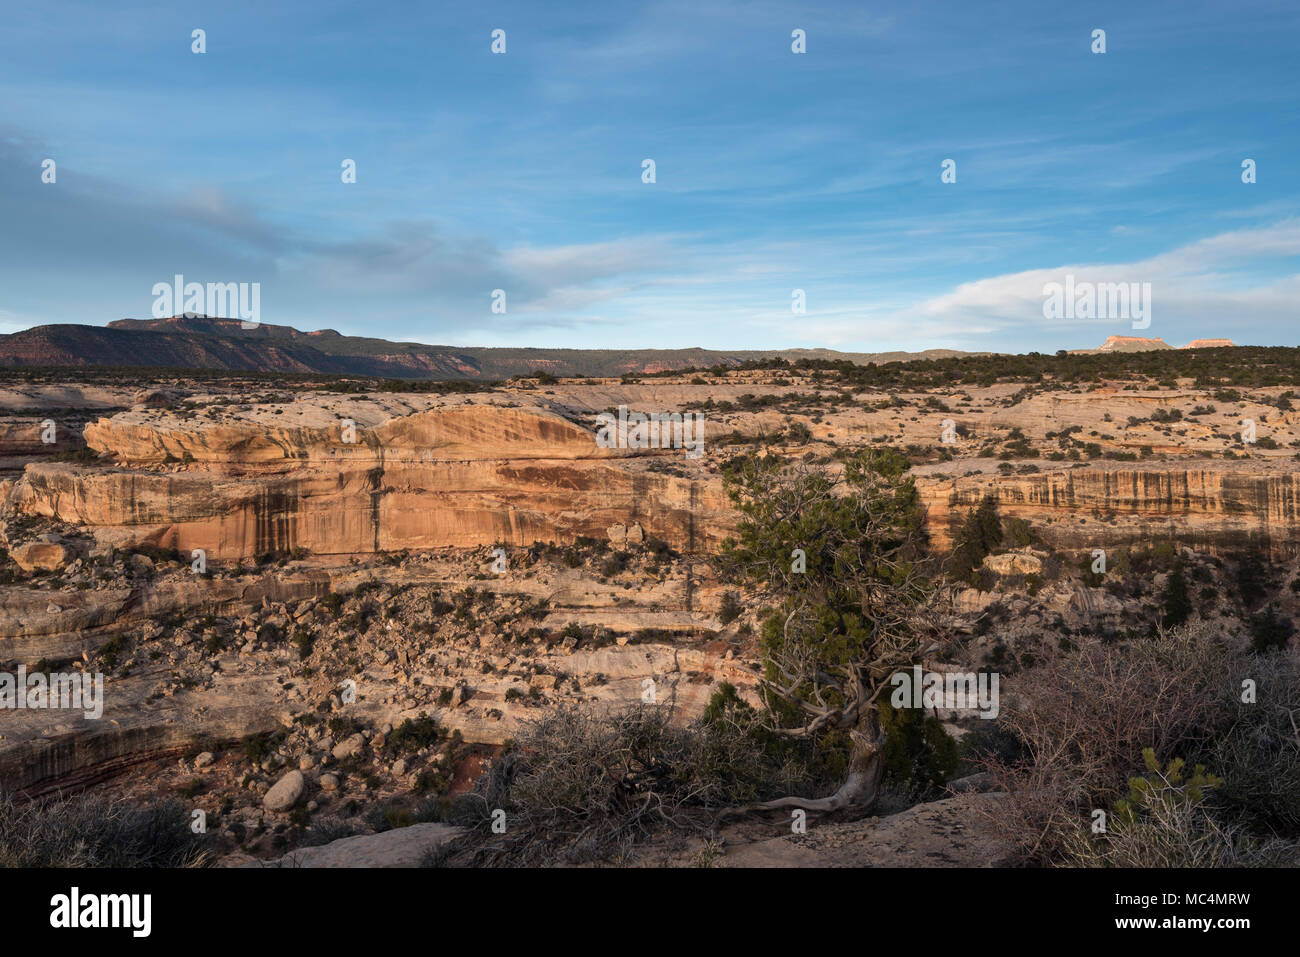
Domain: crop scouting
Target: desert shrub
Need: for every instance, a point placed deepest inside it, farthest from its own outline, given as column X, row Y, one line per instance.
column 1268, row 631
column 1259, row 757
column 614, row 564
column 579, row 787
column 798, row 433
column 1254, row 579
column 980, row 535
column 81, row 832
column 326, row 830
column 110, row 651
column 1176, row 606
column 431, row 780
column 1090, row 578
column 730, row 608
column 990, row 741
column 412, row 735
column 303, row 641
column 1083, row 718
column 391, row 815
column 1019, row 533
column 1165, row 821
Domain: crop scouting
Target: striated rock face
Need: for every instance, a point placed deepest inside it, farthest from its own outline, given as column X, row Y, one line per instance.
column 1212, row 507
column 462, row 475
column 381, row 473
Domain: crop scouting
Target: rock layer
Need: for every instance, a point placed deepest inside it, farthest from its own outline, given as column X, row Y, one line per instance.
column 458, row 476
column 1213, row 507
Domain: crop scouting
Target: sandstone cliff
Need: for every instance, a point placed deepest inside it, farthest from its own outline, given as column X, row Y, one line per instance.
column 457, row 475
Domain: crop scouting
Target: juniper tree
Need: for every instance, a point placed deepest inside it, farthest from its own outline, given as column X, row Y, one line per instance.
column 980, row 535
column 849, row 620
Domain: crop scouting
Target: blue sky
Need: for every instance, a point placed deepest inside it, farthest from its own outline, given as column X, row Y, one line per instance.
column 775, row 171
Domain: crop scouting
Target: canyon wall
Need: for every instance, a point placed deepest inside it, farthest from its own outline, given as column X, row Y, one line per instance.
column 1214, row 507
column 459, row 476
column 466, row 473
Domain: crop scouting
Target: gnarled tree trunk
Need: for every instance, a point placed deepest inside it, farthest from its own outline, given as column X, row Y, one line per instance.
column 866, row 769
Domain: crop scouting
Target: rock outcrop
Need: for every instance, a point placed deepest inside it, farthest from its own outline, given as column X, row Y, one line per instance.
column 461, row 475
column 352, row 476
column 1214, row 506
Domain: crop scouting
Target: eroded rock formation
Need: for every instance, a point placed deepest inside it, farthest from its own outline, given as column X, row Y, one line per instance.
column 460, row 475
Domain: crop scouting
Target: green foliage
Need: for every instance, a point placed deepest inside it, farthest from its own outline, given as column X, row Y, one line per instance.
column 730, row 608
column 1168, row 786
column 1268, row 631
column 841, row 535
column 980, row 535
column 723, row 704
column 1176, row 606
column 1165, row 821
column 843, row 623
column 1253, row 579
column 1018, row 533
column 110, row 651
column 412, row 735
column 303, row 641
column 920, row 756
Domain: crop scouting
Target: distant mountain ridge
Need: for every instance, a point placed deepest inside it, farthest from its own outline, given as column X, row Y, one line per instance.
column 215, row 343
column 203, row 342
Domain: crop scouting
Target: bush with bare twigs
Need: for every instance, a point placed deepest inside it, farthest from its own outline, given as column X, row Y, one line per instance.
column 579, row 786
column 1259, row 754
column 91, row 832
column 1082, row 721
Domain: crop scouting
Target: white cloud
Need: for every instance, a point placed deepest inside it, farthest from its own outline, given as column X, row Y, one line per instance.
column 1202, row 288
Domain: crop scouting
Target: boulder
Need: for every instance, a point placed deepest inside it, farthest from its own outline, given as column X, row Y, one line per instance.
column 43, row 556
column 349, row 747
column 155, row 398
column 285, row 792
column 1014, row 563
